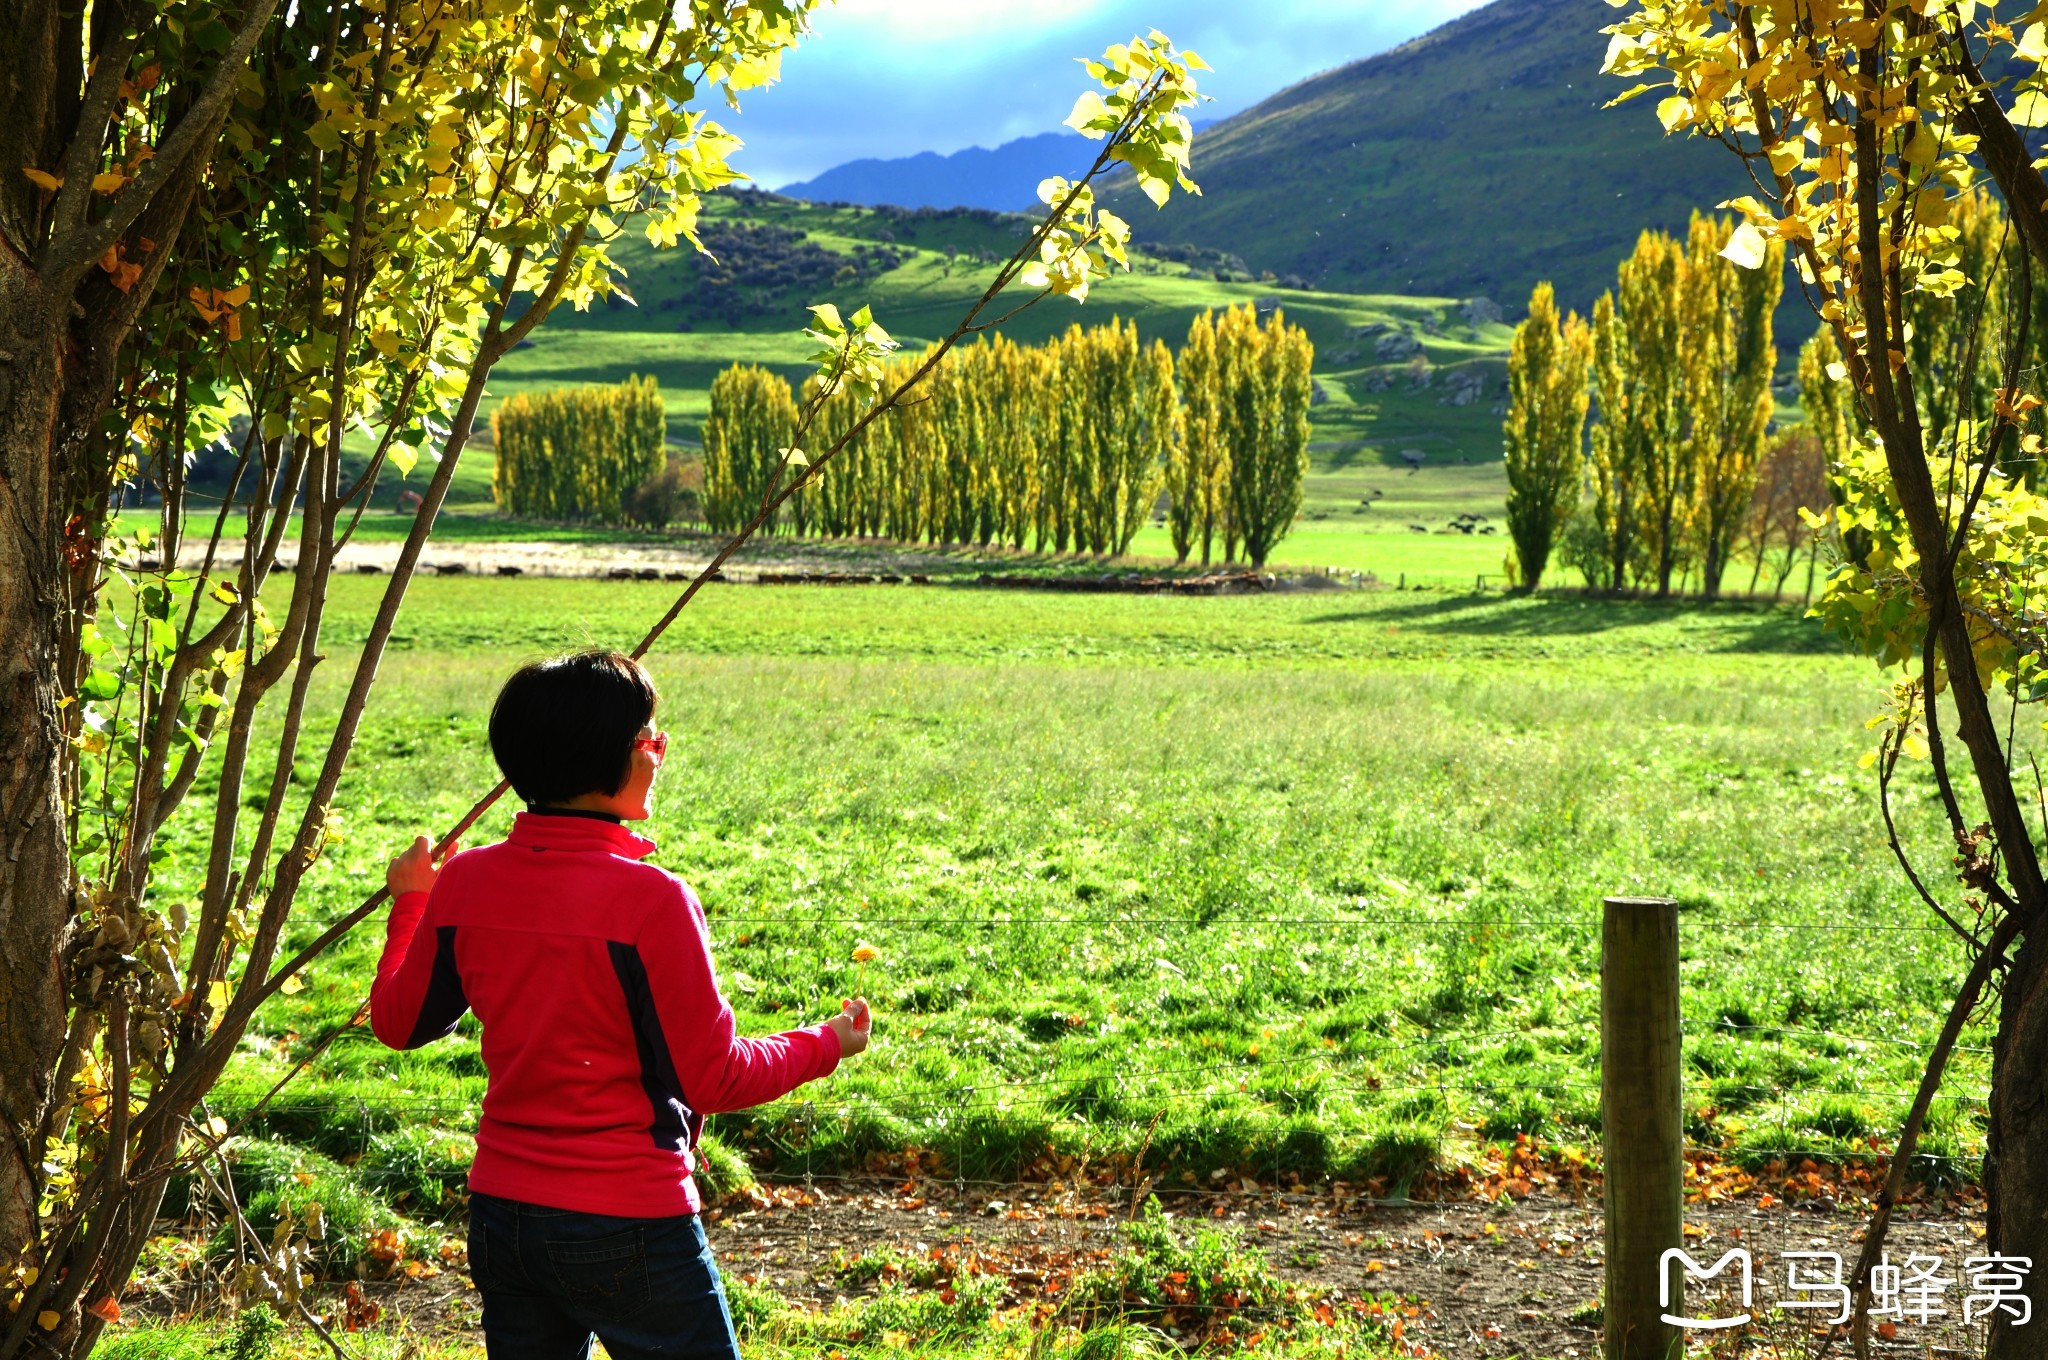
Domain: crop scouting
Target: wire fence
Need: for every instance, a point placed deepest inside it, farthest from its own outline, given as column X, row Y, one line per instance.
column 1125, row 1131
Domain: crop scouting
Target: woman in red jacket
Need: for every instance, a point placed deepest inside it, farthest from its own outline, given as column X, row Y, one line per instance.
column 604, row 1033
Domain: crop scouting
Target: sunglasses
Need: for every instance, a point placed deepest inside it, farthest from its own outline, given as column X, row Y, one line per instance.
column 656, row 744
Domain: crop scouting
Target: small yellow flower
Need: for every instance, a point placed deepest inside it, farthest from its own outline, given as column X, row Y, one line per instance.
column 865, row 953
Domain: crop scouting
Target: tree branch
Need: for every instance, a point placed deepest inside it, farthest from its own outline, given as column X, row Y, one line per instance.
column 67, row 256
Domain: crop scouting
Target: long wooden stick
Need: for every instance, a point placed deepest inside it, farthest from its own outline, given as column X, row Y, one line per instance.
column 770, row 503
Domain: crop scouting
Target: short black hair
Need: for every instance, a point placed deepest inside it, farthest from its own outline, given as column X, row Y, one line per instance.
column 564, row 727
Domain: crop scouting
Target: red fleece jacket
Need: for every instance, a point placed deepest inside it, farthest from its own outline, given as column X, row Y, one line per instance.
column 604, row 1032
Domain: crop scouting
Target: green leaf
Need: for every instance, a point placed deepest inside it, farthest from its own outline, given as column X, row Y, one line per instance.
column 100, row 685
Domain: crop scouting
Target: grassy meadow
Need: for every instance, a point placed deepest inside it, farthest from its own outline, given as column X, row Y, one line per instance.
column 1301, row 883
column 1295, row 887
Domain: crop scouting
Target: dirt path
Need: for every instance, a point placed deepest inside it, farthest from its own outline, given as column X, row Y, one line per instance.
column 684, row 559
column 786, row 561
column 1485, row 1280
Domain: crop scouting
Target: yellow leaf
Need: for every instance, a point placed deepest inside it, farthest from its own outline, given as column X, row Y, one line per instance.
column 292, row 985
column 2030, row 109
column 44, row 178
column 217, row 995
column 107, row 181
column 385, row 341
column 1087, row 109
column 1745, row 247
column 236, row 296
column 1673, row 110
column 48, row 1320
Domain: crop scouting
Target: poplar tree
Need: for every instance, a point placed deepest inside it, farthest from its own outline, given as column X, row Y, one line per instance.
column 1640, row 464
column 1729, row 356
column 1827, row 396
column 751, row 421
column 1069, row 442
column 1200, row 471
column 1102, row 432
column 1652, row 304
column 577, row 453
column 1545, row 429
column 1267, row 402
column 1162, row 436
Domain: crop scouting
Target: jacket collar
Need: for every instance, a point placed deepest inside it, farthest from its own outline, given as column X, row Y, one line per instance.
column 543, row 832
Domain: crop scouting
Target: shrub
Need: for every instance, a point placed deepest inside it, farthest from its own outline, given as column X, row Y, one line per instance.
column 1210, row 1271
column 674, row 493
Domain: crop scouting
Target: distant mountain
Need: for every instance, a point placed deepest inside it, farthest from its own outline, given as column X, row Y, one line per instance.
column 1474, row 160
column 1002, row 178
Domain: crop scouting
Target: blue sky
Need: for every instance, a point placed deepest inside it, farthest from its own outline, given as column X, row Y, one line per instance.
column 894, row 77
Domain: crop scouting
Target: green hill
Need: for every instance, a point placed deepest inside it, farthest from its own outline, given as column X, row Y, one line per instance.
column 1472, row 161
column 1395, row 373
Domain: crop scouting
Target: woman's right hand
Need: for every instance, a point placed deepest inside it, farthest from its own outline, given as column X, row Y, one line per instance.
column 853, row 1025
column 413, row 870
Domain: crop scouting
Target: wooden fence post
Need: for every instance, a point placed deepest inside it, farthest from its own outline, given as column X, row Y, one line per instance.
column 1640, row 1124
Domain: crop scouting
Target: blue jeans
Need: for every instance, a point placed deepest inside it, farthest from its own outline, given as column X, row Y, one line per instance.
column 551, row 1277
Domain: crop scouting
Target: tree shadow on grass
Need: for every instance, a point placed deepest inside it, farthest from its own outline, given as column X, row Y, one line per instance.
column 1736, row 626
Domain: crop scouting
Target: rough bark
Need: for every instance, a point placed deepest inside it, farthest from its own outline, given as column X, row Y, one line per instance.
column 34, row 864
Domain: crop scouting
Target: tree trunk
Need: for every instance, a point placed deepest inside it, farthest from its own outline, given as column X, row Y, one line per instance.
column 34, row 865
column 2016, row 1155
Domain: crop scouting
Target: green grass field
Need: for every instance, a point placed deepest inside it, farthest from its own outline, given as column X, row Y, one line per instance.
column 1313, row 878
column 1299, row 884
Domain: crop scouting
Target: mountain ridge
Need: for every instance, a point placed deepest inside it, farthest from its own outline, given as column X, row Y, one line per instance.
column 1000, row 177
column 1492, row 122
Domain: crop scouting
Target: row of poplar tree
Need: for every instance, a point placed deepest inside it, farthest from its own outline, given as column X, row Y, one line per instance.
column 1672, row 374
column 1675, row 368
column 578, row 452
column 1064, row 446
